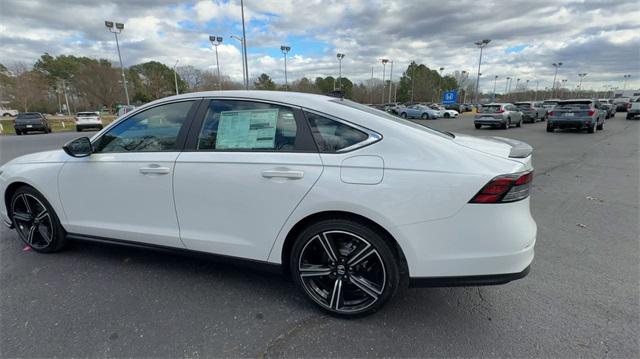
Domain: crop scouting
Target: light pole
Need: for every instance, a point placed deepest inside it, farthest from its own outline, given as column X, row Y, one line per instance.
column 506, row 85
column 117, row 29
column 175, row 76
column 384, row 67
column 535, row 96
column 440, row 85
column 285, row 50
column 556, row 65
column 481, row 44
column 340, row 57
column 495, row 82
column 581, row 76
column 390, row 79
column 413, row 80
column 510, row 82
column 244, row 79
column 244, row 48
column 463, row 78
column 624, row 85
column 371, row 87
column 215, row 41
column 564, row 82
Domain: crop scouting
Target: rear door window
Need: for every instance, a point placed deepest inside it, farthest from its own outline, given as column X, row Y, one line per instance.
column 333, row 136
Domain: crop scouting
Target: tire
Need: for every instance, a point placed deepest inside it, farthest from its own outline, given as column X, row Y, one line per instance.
column 478, row 126
column 601, row 126
column 18, row 133
column 591, row 129
column 35, row 221
column 519, row 124
column 507, row 124
column 424, row 116
column 374, row 261
column 78, row 129
column 549, row 129
column 403, row 115
column 544, row 118
column 446, row 115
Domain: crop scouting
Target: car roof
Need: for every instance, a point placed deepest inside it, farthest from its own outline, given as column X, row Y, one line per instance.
column 578, row 100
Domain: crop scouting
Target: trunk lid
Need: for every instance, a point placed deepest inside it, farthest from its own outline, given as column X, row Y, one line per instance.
column 498, row 146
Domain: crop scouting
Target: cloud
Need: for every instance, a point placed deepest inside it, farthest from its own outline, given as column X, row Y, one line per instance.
column 601, row 38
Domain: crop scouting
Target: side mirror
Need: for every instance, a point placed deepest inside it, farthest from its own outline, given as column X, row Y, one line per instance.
column 80, row 147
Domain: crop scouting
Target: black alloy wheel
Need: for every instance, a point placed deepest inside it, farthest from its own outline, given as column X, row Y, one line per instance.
column 344, row 267
column 35, row 221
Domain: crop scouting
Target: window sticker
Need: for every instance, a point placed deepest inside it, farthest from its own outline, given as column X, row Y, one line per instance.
column 247, row 129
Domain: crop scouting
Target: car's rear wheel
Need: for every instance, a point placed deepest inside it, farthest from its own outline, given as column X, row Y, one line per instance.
column 591, row 129
column 344, row 267
column 403, row 115
column 18, row 133
column 446, row 115
column 35, row 221
column 601, row 126
column 478, row 126
column 549, row 129
column 425, row 116
column 507, row 124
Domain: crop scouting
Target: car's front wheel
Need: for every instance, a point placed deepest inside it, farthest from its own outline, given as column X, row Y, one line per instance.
column 345, row 267
column 478, row 126
column 403, row 115
column 35, row 221
column 425, row 116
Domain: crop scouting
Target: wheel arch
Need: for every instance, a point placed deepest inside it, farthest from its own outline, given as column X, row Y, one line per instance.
column 10, row 190
column 319, row 216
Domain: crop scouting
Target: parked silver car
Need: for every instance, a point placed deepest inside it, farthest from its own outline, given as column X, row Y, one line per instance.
column 532, row 111
column 503, row 115
column 419, row 111
column 577, row 114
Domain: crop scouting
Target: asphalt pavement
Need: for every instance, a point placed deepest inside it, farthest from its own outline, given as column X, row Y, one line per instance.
column 581, row 298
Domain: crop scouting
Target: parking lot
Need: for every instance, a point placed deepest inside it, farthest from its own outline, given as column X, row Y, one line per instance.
column 581, row 298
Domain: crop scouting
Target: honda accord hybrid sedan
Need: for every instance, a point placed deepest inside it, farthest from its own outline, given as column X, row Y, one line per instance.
column 349, row 201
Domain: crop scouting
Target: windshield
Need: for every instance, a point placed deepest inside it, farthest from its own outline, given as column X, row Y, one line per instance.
column 574, row 105
column 490, row 108
column 376, row 112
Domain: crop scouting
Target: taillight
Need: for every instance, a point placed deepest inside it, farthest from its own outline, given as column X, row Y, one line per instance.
column 551, row 113
column 628, row 106
column 591, row 112
column 505, row 188
column 76, row 119
column 501, row 110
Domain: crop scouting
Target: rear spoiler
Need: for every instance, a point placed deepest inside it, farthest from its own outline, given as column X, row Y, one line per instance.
column 519, row 149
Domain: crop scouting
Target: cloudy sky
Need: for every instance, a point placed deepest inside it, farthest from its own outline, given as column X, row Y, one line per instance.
column 599, row 37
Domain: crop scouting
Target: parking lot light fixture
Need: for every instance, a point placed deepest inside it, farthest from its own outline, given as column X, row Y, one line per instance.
column 556, row 65
column 581, row 76
column 340, row 57
column 506, row 84
column 215, row 41
column 481, row 44
column 390, row 79
column 116, row 28
column 285, row 50
column 384, row 67
column 244, row 47
column 624, row 85
column 495, row 82
column 244, row 79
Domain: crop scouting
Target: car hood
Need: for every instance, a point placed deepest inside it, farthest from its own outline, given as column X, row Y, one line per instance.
column 498, row 146
column 41, row 157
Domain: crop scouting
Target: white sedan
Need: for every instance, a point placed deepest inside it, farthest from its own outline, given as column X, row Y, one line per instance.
column 445, row 112
column 352, row 202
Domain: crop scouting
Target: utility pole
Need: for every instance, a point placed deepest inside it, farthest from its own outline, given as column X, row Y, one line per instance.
column 440, row 85
column 244, row 78
column 390, row 80
column 244, row 47
column 371, row 87
column 384, row 66
column 413, row 80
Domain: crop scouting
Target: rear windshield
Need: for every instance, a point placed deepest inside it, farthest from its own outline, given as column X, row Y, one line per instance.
column 28, row 116
column 550, row 103
column 522, row 106
column 575, row 105
column 489, row 108
column 87, row 114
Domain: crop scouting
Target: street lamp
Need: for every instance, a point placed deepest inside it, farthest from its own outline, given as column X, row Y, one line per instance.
column 384, row 67
column 506, row 84
column 340, row 57
column 481, row 44
column 244, row 47
column 562, row 87
column 244, row 79
column 581, row 76
column 215, row 41
column 117, row 29
column 440, row 84
column 285, row 50
column 390, row 79
column 495, row 82
column 624, row 86
column 175, row 76
column 556, row 65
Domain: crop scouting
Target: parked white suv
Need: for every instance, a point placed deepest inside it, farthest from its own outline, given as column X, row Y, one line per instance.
column 86, row 120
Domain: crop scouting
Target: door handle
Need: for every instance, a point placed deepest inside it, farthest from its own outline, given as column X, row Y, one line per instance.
column 283, row 174
column 158, row 170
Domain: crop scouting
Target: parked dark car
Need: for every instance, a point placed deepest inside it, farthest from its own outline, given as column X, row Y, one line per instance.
column 609, row 107
column 577, row 114
column 532, row 111
column 31, row 121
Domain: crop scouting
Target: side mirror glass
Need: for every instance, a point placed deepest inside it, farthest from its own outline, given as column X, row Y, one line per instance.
column 80, row 147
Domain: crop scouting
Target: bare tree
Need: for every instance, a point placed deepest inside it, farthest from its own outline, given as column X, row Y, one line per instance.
column 30, row 86
column 192, row 76
column 98, row 84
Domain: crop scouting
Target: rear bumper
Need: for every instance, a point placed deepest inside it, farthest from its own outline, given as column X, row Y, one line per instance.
column 580, row 123
column 633, row 114
column 34, row 127
column 88, row 125
column 490, row 121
